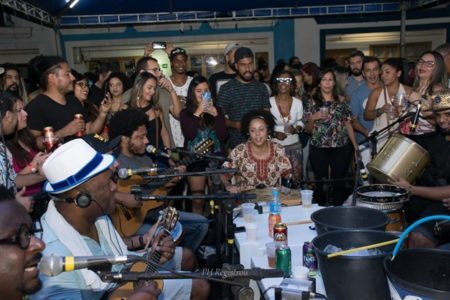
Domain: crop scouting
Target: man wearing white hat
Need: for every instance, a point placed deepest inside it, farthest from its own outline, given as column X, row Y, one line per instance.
column 76, row 223
column 216, row 80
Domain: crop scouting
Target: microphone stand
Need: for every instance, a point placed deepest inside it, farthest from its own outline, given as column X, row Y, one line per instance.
column 201, row 155
column 373, row 138
column 215, row 187
column 200, row 173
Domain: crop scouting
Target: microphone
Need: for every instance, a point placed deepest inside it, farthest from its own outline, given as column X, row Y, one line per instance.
column 53, row 265
column 124, row 173
column 363, row 174
column 153, row 150
column 415, row 119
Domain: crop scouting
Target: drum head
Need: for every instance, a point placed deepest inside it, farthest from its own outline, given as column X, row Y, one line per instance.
column 382, row 193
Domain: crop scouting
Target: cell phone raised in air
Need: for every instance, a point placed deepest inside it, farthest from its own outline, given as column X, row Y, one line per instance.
column 159, row 45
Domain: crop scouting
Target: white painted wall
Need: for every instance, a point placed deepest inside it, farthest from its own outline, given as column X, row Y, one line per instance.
column 307, row 36
column 24, row 40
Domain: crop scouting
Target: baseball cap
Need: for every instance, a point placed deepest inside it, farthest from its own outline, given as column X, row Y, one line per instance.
column 230, row 47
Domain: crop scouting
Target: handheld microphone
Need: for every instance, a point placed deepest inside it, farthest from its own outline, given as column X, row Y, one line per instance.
column 153, row 150
column 415, row 119
column 124, row 173
column 53, row 265
column 363, row 173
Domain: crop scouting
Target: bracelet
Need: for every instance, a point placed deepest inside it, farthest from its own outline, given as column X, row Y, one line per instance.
column 33, row 169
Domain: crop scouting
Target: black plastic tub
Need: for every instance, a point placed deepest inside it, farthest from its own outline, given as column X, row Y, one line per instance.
column 353, row 277
column 421, row 273
column 348, row 217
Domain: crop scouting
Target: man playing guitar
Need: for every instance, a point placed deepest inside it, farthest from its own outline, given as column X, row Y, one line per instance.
column 76, row 224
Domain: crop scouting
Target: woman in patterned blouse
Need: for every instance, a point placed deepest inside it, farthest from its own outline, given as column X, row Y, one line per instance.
column 332, row 139
column 261, row 162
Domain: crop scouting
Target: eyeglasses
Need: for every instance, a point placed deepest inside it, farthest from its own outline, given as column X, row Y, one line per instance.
column 154, row 70
column 286, row 80
column 426, row 63
column 82, row 84
column 22, row 237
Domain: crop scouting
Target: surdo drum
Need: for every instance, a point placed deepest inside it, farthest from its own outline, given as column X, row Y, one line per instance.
column 387, row 198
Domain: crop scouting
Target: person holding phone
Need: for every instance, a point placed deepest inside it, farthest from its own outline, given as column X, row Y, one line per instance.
column 201, row 121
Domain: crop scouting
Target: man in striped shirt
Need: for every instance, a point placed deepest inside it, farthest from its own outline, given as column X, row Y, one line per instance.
column 241, row 95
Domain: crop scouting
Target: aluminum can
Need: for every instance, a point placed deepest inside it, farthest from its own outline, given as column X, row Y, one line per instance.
column 49, row 139
column 283, row 254
column 274, row 218
column 309, row 256
column 79, row 117
column 280, row 233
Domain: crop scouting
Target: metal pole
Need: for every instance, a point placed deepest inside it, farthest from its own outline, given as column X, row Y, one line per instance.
column 402, row 28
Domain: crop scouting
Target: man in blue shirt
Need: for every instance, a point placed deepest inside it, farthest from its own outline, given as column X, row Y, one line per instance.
column 371, row 72
column 356, row 79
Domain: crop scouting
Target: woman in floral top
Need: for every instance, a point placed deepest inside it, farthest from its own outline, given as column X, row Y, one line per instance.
column 332, row 137
column 261, row 162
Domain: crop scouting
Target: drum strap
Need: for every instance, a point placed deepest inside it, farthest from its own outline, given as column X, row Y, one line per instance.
column 385, row 102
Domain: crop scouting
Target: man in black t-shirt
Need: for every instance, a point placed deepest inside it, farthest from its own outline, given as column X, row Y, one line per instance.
column 218, row 79
column 52, row 108
column 433, row 186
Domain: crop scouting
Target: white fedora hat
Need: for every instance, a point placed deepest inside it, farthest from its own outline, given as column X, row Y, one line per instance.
column 72, row 164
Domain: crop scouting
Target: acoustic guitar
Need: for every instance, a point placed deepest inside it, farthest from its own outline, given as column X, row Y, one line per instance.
column 126, row 220
column 166, row 223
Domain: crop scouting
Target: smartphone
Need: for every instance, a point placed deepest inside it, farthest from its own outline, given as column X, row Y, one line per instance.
column 159, row 45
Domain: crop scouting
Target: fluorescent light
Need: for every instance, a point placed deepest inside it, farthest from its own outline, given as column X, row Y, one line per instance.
column 74, row 2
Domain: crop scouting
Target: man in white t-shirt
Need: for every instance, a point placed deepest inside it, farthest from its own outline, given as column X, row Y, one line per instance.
column 180, row 82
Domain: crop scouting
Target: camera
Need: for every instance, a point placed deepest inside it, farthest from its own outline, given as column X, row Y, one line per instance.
column 159, row 45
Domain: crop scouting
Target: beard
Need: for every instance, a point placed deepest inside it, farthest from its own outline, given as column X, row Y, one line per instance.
column 13, row 89
column 356, row 72
column 246, row 76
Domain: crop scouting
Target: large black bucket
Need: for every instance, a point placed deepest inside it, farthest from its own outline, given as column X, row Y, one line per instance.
column 423, row 273
column 353, row 277
column 348, row 217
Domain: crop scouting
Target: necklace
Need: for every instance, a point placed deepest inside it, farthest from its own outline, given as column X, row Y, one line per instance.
column 285, row 117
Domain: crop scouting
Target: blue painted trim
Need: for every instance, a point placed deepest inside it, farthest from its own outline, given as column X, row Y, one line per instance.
column 284, row 39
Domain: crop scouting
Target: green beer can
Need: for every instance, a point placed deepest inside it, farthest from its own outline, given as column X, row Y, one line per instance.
column 283, row 254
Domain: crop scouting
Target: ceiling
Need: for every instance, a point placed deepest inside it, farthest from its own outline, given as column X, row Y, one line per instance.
column 102, row 12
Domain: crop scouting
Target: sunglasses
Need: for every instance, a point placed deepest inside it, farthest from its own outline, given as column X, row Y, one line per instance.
column 21, row 238
column 284, row 80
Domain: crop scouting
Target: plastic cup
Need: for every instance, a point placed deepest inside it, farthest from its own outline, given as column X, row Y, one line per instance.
column 248, row 211
column 271, row 248
column 251, row 229
column 306, row 196
column 324, row 111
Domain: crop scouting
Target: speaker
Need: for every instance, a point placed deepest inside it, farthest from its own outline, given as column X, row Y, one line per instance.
column 83, row 200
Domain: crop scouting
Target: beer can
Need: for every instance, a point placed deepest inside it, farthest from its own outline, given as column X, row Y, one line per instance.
column 79, row 117
column 283, row 254
column 280, row 233
column 49, row 138
column 309, row 256
column 274, row 218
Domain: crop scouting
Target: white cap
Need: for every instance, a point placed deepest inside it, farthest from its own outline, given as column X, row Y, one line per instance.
column 230, row 47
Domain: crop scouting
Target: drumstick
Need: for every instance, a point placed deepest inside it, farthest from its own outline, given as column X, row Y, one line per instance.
column 362, row 248
column 298, row 222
